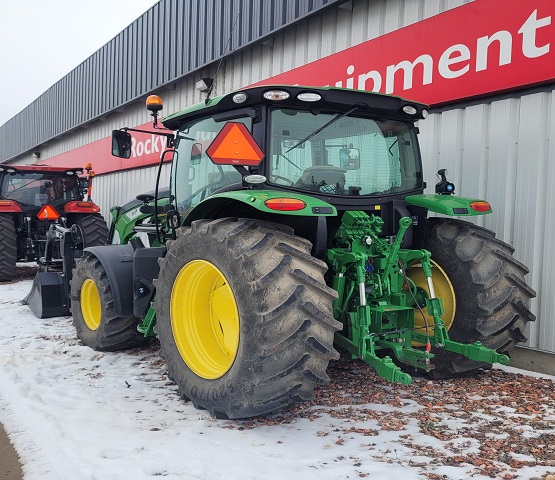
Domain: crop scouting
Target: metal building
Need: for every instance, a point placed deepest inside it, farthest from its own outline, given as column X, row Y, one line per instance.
column 492, row 96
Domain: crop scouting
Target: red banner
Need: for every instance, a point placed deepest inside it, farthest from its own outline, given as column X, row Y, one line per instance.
column 146, row 150
column 483, row 47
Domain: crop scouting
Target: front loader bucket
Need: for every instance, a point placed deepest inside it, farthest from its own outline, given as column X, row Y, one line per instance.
column 48, row 296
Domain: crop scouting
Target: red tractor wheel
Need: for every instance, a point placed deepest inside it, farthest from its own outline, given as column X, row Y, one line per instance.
column 8, row 248
column 93, row 228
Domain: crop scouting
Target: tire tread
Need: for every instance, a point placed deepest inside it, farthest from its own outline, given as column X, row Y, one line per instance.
column 8, row 248
column 495, row 306
column 291, row 327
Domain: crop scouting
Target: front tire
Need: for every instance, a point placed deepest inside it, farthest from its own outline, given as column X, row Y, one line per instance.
column 491, row 296
column 244, row 317
column 92, row 307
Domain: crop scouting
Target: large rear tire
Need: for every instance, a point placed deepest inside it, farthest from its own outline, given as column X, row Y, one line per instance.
column 8, row 249
column 92, row 307
column 244, row 317
column 93, row 227
column 492, row 299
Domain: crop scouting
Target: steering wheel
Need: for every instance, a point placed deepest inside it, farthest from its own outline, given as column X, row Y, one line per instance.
column 285, row 179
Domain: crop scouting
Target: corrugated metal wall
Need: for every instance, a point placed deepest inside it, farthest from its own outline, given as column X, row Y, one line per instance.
column 172, row 39
column 120, row 187
column 501, row 151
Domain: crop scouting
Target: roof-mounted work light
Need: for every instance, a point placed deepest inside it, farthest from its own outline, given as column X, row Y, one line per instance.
column 444, row 187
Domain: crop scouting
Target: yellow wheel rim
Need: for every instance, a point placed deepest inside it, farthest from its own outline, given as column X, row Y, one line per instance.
column 90, row 304
column 204, row 319
column 444, row 290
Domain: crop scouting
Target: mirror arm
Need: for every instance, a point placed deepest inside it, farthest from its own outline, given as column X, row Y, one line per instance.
column 169, row 136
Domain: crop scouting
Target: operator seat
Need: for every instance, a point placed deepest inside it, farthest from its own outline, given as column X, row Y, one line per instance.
column 29, row 197
column 323, row 178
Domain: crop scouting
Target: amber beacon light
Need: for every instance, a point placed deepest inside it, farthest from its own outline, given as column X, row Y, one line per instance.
column 154, row 104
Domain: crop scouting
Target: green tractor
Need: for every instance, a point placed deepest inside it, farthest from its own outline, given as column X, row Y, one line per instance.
column 296, row 223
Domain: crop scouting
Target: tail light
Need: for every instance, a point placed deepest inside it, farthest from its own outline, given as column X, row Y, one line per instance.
column 285, row 204
column 480, row 206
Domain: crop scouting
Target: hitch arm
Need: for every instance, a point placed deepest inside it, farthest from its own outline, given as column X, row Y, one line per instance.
column 474, row 351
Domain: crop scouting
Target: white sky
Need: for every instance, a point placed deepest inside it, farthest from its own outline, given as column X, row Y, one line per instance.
column 76, row 414
column 43, row 40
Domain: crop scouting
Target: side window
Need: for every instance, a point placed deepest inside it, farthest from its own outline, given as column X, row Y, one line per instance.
column 194, row 176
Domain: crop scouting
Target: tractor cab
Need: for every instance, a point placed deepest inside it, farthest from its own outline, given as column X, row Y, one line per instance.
column 313, row 152
column 34, row 189
column 343, row 155
column 320, row 144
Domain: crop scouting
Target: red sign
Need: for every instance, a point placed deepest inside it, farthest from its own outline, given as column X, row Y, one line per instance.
column 482, row 47
column 234, row 145
column 146, row 149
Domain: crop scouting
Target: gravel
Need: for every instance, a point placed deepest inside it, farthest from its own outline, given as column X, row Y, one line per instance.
column 500, row 423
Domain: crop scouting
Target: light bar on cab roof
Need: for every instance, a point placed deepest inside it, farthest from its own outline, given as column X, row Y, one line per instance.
column 309, row 96
column 276, row 95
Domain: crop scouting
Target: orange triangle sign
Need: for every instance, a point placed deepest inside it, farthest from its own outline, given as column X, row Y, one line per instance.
column 234, row 145
column 48, row 212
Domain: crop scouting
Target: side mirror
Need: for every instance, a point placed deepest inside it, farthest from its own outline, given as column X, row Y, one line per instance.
column 121, row 144
column 196, row 153
column 349, row 158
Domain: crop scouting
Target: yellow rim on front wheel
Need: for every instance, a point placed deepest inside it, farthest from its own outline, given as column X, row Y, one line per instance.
column 204, row 319
column 443, row 289
column 90, row 304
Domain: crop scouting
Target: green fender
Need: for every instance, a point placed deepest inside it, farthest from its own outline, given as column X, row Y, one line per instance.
column 256, row 200
column 450, row 205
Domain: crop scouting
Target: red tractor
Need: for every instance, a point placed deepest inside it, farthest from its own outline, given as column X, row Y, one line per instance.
column 32, row 198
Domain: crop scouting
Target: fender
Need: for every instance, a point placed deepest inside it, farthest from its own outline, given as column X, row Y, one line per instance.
column 450, row 205
column 9, row 206
column 117, row 261
column 79, row 206
column 256, row 199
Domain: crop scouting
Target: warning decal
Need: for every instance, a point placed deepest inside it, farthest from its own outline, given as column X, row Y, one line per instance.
column 234, row 145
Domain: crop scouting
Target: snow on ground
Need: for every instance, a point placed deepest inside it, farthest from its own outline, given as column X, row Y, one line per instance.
column 73, row 413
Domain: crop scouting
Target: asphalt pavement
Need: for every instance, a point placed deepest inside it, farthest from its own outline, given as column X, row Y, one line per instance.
column 10, row 468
